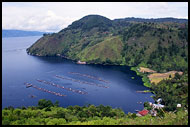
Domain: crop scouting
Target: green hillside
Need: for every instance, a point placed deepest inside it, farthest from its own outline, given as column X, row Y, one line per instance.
column 97, row 39
column 108, row 51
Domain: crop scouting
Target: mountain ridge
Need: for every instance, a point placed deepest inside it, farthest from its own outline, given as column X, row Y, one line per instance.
column 166, row 19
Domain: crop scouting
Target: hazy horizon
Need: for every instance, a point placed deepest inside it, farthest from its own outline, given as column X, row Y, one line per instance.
column 54, row 16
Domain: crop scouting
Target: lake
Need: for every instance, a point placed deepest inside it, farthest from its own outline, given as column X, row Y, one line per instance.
column 18, row 67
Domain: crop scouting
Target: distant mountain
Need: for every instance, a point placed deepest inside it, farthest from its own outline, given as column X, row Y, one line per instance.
column 158, row 20
column 20, row 33
column 160, row 44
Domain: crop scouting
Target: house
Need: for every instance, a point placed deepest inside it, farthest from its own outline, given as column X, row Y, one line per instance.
column 150, row 103
column 142, row 113
column 157, row 106
column 159, row 100
column 178, row 105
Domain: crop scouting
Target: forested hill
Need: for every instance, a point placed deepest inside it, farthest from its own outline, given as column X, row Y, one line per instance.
column 160, row 44
column 20, row 33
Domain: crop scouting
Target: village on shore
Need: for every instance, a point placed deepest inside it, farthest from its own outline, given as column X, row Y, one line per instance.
column 155, row 77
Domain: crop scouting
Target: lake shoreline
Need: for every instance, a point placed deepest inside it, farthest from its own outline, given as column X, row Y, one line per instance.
column 132, row 68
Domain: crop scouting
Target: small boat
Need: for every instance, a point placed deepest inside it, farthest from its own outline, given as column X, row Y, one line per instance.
column 28, row 85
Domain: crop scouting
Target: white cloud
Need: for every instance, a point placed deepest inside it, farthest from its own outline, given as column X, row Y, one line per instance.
column 56, row 16
column 43, row 21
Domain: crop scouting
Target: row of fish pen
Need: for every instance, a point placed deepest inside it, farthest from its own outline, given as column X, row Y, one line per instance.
column 44, row 90
column 62, row 87
column 89, row 76
column 81, row 82
column 69, row 89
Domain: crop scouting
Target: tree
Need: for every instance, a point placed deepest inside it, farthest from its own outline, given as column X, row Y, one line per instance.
column 60, row 114
column 142, row 51
column 177, row 76
column 81, row 114
column 17, row 112
column 43, row 103
column 98, row 60
column 108, row 61
column 92, row 109
column 56, row 104
column 10, row 108
column 23, row 107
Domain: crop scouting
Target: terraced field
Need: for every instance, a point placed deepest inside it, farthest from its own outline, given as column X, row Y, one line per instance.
column 157, row 77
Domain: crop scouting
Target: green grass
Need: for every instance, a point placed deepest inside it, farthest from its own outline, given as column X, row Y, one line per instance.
column 147, row 91
column 146, row 81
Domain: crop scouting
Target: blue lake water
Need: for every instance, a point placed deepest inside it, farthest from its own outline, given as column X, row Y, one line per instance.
column 18, row 67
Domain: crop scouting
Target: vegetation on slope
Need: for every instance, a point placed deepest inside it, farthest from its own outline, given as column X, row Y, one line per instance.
column 110, row 48
column 96, row 39
column 150, row 44
column 47, row 113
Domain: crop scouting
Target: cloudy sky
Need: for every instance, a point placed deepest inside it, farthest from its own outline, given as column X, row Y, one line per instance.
column 52, row 17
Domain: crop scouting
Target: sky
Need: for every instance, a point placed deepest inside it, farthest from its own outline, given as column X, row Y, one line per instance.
column 55, row 16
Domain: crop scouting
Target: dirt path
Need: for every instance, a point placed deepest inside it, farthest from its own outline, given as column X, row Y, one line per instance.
column 143, row 69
